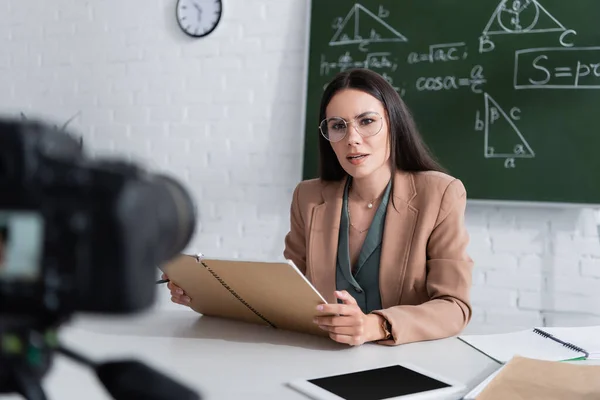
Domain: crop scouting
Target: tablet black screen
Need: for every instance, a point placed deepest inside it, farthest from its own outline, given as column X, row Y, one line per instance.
column 378, row 384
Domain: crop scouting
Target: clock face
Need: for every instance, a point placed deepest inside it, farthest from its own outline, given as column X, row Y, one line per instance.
column 198, row 18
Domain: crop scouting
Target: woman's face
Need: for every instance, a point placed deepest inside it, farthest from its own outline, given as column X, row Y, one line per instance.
column 359, row 155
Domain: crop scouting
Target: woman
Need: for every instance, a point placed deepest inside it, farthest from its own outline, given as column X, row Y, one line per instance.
column 381, row 233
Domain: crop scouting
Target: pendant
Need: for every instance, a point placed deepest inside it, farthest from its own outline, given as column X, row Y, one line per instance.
column 370, row 205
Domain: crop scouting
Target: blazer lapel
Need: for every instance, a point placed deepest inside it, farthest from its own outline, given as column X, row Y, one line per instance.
column 400, row 222
column 324, row 239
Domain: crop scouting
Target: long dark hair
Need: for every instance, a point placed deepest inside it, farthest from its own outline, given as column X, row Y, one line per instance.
column 408, row 151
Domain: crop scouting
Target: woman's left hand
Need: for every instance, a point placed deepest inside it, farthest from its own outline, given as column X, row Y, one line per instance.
column 349, row 325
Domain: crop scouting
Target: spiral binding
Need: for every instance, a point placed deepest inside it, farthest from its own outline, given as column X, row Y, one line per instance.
column 566, row 344
column 237, row 296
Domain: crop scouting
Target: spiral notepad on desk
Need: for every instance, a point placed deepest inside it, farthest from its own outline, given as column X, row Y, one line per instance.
column 551, row 344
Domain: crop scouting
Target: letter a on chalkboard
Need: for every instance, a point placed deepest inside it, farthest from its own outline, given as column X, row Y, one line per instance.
column 363, row 26
column 521, row 16
column 502, row 137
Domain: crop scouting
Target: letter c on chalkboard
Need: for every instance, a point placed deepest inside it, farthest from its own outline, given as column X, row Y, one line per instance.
column 564, row 34
column 513, row 111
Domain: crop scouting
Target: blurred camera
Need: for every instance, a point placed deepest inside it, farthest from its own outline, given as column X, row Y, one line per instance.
column 78, row 234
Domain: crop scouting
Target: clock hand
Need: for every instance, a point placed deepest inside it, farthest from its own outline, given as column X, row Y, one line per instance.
column 199, row 11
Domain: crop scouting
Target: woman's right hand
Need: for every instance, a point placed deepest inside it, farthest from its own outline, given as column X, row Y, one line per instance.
column 177, row 294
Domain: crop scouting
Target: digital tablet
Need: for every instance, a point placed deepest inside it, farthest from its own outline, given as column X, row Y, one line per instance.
column 390, row 382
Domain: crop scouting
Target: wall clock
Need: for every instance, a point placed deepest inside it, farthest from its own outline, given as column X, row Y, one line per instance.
column 198, row 18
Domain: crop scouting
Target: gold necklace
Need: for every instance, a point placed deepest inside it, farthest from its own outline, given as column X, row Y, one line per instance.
column 352, row 225
column 370, row 203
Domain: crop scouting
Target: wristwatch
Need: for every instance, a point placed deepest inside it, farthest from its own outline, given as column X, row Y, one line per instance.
column 387, row 329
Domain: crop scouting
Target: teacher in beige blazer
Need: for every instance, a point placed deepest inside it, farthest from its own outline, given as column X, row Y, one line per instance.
column 381, row 232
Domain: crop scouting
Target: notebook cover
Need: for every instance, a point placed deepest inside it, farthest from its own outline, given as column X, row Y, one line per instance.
column 276, row 290
column 528, row 379
column 208, row 296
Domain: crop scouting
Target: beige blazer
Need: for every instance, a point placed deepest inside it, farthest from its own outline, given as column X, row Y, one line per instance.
column 425, row 271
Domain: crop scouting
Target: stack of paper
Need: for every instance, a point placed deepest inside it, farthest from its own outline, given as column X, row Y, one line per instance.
column 529, row 346
column 472, row 395
column 525, row 378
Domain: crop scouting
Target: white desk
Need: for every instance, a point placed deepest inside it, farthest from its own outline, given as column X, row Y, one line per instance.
column 229, row 360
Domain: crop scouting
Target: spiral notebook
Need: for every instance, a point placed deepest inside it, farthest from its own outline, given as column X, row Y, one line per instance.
column 275, row 294
column 550, row 344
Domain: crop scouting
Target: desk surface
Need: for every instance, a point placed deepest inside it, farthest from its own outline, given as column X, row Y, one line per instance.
column 227, row 360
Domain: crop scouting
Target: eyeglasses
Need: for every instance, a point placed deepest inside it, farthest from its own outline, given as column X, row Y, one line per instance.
column 367, row 124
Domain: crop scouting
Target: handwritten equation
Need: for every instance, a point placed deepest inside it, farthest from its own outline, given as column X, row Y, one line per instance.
column 557, row 68
column 451, row 82
column 443, row 52
column 380, row 60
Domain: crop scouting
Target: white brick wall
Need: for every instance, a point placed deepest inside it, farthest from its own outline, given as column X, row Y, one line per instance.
column 535, row 265
column 224, row 114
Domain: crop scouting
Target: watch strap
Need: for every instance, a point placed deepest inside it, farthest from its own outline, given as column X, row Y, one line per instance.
column 387, row 329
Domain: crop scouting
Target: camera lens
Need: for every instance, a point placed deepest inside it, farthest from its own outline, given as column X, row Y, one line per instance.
column 7, row 170
column 157, row 219
column 184, row 213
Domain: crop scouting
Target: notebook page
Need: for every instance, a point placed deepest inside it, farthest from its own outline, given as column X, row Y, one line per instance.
column 586, row 337
column 504, row 346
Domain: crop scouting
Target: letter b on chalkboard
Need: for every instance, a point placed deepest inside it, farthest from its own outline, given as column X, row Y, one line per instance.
column 485, row 44
column 479, row 125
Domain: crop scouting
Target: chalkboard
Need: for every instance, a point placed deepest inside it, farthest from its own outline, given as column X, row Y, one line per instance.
column 506, row 93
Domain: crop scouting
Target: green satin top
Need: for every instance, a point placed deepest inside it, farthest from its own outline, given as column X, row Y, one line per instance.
column 363, row 284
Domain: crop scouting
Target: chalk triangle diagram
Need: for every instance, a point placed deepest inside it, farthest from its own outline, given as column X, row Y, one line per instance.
column 361, row 25
column 502, row 137
column 521, row 16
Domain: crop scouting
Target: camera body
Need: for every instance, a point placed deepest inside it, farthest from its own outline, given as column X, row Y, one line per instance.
column 78, row 234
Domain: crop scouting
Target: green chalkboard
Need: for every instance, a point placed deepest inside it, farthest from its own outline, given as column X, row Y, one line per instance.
column 505, row 93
